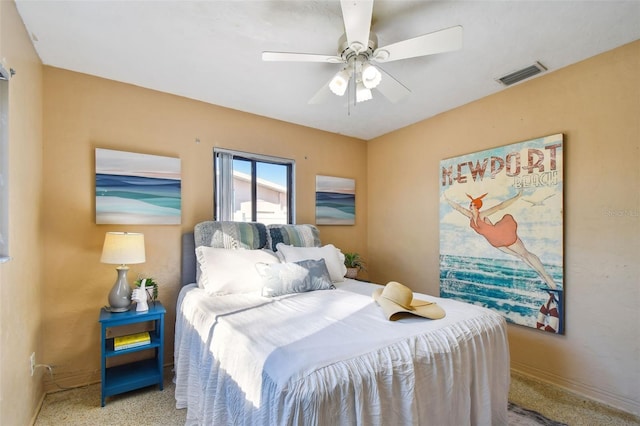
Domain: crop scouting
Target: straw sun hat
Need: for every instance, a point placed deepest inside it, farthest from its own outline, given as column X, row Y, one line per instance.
column 396, row 300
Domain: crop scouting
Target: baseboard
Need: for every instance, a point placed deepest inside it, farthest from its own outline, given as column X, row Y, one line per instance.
column 77, row 379
column 579, row 389
column 37, row 410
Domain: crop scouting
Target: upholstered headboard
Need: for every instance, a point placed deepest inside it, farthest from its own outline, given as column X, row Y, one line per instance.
column 248, row 235
column 188, row 273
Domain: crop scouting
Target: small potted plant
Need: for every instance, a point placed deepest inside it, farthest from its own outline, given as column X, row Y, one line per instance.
column 354, row 264
column 150, row 286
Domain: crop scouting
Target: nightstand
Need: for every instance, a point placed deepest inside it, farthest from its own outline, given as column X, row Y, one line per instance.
column 137, row 374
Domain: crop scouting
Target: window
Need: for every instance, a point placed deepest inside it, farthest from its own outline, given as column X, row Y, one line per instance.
column 253, row 187
column 4, row 164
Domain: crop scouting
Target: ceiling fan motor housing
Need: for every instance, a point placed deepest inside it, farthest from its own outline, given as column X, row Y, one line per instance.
column 347, row 52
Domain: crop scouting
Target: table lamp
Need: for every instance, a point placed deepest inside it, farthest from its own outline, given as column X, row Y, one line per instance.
column 122, row 248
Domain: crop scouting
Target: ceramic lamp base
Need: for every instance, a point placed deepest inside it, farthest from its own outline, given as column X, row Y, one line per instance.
column 120, row 294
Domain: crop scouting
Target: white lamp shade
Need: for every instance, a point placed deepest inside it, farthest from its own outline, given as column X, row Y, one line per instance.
column 122, row 248
column 339, row 82
column 362, row 93
column 371, row 76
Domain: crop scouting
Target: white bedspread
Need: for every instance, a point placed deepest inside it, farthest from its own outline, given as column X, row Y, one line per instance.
column 331, row 358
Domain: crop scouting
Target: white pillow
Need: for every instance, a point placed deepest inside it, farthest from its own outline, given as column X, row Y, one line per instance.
column 332, row 256
column 228, row 271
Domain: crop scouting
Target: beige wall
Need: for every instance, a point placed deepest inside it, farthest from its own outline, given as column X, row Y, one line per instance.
column 20, row 278
column 596, row 104
column 82, row 113
column 53, row 287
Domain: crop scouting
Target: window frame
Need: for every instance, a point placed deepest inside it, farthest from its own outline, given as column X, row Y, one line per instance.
column 5, row 76
column 225, row 185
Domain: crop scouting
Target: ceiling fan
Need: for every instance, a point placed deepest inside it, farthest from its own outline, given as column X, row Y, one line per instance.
column 358, row 48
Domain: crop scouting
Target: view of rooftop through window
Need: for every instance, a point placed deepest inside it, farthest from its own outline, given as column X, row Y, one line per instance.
column 253, row 188
column 271, row 191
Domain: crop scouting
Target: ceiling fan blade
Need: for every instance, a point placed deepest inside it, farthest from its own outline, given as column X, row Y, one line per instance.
column 300, row 57
column 357, row 22
column 437, row 42
column 391, row 88
column 321, row 95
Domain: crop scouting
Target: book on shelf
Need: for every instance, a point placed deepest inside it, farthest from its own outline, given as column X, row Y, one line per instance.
column 130, row 345
column 131, row 341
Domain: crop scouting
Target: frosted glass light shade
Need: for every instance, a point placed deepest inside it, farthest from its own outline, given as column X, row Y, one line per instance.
column 339, row 82
column 122, row 248
column 362, row 93
column 371, row 76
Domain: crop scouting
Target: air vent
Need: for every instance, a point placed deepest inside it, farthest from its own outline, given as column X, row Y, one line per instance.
column 523, row 74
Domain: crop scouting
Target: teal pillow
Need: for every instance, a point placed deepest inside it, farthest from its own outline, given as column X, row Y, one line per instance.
column 294, row 277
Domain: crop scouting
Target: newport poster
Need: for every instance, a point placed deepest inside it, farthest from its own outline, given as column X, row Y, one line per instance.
column 137, row 189
column 335, row 200
column 501, row 231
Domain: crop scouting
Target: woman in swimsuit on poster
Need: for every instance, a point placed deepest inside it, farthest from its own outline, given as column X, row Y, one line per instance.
column 503, row 236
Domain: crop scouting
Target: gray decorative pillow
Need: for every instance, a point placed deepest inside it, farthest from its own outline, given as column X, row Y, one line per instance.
column 294, row 277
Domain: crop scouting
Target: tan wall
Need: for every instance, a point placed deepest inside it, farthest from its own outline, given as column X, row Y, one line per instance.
column 82, row 113
column 52, row 310
column 596, row 104
column 20, row 278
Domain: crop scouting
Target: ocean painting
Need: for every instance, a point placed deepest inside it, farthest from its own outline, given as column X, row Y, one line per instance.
column 504, row 285
column 501, row 231
column 137, row 189
column 335, row 201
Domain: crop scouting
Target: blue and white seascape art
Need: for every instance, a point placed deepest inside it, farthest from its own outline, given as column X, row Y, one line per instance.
column 335, row 201
column 137, row 189
column 501, row 231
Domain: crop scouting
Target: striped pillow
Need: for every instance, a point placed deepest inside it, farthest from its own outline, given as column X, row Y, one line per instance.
column 292, row 235
column 231, row 235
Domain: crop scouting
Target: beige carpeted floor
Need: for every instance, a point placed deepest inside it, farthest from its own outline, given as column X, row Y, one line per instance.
column 149, row 406
column 563, row 406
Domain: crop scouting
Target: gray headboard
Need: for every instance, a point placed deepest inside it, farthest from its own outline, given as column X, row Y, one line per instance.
column 188, row 273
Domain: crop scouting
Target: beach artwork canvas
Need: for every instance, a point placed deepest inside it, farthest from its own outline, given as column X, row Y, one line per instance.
column 335, row 201
column 137, row 189
column 501, row 231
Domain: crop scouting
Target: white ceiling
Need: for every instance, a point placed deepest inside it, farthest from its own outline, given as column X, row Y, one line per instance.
column 211, row 50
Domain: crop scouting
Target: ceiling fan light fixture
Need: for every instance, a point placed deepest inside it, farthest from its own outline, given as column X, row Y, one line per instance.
column 358, row 50
column 362, row 93
column 371, row 76
column 339, row 82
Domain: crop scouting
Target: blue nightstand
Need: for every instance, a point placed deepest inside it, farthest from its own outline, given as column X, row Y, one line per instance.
column 138, row 374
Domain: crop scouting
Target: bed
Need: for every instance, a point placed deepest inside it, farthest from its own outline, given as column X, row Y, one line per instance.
column 328, row 356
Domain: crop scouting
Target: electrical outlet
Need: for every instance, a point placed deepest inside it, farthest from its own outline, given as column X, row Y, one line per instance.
column 32, row 362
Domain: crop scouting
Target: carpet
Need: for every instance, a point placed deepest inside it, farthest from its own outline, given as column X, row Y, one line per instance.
column 148, row 406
